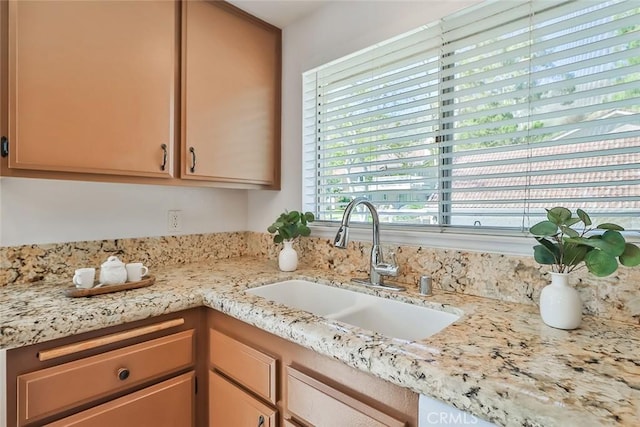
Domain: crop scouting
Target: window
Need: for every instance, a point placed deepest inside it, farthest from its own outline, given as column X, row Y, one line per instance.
column 483, row 119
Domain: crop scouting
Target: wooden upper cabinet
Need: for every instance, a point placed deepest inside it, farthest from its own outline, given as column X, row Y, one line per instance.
column 231, row 71
column 92, row 86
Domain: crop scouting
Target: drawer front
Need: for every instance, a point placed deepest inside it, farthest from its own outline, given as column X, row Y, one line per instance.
column 167, row 404
column 248, row 366
column 315, row 403
column 47, row 391
column 230, row 406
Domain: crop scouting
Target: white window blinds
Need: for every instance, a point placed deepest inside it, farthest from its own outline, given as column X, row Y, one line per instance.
column 483, row 119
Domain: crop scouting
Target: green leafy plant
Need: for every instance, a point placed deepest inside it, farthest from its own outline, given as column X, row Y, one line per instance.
column 290, row 225
column 566, row 248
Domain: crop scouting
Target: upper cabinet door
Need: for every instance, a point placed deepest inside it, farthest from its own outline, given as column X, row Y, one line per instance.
column 92, row 86
column 230, row 96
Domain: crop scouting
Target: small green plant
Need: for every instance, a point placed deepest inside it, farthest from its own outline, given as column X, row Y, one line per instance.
column 566, row 249
column 290, row 225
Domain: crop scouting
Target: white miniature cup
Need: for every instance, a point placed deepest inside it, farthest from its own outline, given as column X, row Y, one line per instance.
column 84, row 278
column 136, row 271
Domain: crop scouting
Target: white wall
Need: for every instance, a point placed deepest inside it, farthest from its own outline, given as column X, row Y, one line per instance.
column 48, row 211
column 333, row 31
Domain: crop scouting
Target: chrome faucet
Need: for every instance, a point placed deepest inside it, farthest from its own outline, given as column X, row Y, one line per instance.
column 377, row 268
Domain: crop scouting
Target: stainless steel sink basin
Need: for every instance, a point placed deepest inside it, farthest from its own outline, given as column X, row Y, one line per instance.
column 388, row 317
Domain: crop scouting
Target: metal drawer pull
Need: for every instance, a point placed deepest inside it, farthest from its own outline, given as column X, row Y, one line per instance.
column 193, row 159
column 123, row 374
column 66, row 350
column 164, row 157
column 261, row 421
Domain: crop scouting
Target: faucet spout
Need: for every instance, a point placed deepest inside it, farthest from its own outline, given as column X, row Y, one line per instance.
column 347, row 217
column 377, row 268
column 342, row 237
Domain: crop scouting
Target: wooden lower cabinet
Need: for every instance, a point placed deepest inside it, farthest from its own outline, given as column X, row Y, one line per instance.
column 309, row 389
column 198, row 367
column 48, row 391
column 305, row 395
column 170, row 403
column 140, row 374
column 231, row 406
column 247, row 366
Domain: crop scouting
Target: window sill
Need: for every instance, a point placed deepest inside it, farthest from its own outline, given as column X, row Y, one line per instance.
column 497, row 241
column 500, row 241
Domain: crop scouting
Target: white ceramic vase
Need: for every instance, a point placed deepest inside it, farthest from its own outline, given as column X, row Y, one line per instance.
column 560, row 303
column 288, row 257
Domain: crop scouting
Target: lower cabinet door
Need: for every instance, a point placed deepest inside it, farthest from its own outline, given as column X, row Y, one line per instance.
column 312, row 402
column 229, row 406
column 170, row 403
column 46, row 392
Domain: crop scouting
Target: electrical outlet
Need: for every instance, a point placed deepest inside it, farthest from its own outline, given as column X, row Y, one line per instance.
column 174, row 220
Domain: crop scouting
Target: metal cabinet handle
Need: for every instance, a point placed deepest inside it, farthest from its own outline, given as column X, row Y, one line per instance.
column 193, row 159
column 164, row 157
column 123, row 374
column 261, row 421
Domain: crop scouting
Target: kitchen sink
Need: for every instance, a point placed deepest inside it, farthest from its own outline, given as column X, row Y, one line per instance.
column 388, row 317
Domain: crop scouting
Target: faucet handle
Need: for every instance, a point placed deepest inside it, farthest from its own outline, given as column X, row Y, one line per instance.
column 388, row 268
column 394, row 260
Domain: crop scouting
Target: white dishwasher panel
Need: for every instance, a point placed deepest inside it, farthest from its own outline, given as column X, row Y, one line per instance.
column 432, row 412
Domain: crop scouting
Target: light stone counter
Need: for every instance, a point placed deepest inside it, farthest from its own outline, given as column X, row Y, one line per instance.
column 499, row 361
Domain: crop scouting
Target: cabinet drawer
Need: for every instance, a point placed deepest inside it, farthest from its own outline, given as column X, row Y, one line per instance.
column 250, row 367
column 230, row 406
column 313, row 402
column 47, row 391
column 167, row 404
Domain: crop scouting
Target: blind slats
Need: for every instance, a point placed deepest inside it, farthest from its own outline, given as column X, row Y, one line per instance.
column 496, row 113
column 468, row 126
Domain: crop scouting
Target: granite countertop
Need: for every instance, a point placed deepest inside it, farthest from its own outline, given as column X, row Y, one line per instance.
column 499, row 361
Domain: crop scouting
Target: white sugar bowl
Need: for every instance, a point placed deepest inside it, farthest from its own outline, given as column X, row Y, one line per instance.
column 113, row 272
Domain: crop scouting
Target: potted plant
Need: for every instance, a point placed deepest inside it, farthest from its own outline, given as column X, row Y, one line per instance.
column 566, row 249
column 288, row 226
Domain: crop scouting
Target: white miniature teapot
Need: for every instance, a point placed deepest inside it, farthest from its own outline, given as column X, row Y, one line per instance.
column 112, row 271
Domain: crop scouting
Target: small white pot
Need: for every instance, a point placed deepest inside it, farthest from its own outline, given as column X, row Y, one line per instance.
column 560, row 303
column 288, row 257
